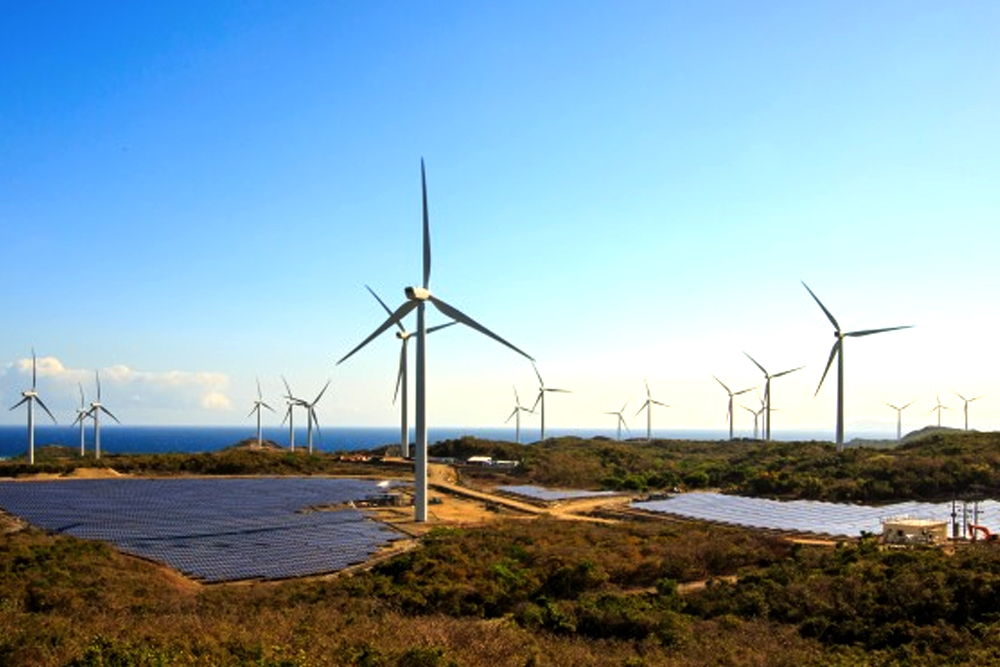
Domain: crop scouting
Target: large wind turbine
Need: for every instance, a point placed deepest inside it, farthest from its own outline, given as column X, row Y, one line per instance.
column 516, row 415
column 938, row 407
column 417, row 298
column 81, row 417
column 30, row 396
column 540, row 399
column 311, row 417
column 767, row 392
column 729, row 408
column 257, row 405
column 96, row 408
column 965, row 407
column 838, row 352
column 899, row 418
column 291, row 402
column 402, row 381
column 648, row 407
column 621, row 419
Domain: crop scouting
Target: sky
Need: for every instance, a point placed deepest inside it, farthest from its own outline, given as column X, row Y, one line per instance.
column 194, row 195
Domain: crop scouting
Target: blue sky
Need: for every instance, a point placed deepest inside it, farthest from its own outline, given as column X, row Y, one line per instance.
column 195, row 194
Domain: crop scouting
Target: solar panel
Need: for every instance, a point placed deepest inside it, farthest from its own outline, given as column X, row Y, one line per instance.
column 552, row 495
column 214, row 529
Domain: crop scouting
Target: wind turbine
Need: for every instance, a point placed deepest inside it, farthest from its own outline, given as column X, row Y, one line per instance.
column 965, row 407
column 417, row 298
column 767, row 392
column 96, row 408
column 838, row 352
column 30, row 396
column 899, row 418
column 621, row 419
column 756, row 417
column 81, row 416
column 257, row 405
column 401, row 377
column 939, row 407
column 311, row 417
column 291, row 402
column 729, row 409
column 540, row 399
column 648, row 407
column 516, row 415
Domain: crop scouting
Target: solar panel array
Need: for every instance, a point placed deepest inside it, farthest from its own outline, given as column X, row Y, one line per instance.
column 808, row 516
column 213, row 529
column 551, row 495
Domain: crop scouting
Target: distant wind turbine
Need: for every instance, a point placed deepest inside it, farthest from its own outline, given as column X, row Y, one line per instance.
column 965, row 407
column 939, row 407
column 96, row 408
column 838, row 352
column 291, row 403
column 417, row 298
column 621, row 419
column 402, row 381
column 81, row 417
column 540, row 399
column 648, row 407
column 729, row 408
column 257, row 405
column 30, row 396
column 516, row 416
column 899, row 418
column 311, row 417
column 757, row 414
column 767, row 392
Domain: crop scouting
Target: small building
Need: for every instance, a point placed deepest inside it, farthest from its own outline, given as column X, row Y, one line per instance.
column 904, row 530
column 480, row 460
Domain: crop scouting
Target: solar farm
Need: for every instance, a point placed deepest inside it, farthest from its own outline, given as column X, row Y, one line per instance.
column 806, row 516
column 552, row 495
column 213, row 529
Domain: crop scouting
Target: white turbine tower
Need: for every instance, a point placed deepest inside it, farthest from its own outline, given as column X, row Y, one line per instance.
column 417, row 298
column 311, row 417
column 899, row 418
column 965, row 407
column 516, row 416
column 729, row 408
column 257, row 405
column 291, row 402
column 96, row 408
column 81, row 417
column 540, row 399
column 402, row 381
column 30, row 396
column 939, row 407
column 648, row 407
column 838, row 352
column 767, row 392
column 620, row 419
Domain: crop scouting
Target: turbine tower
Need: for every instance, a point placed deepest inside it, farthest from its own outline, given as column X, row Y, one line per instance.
column 965, row 407
column 81, row 417
column 729, row 409
column 516, row 415
column 838, row 352
column 311, row 417
column 767, row 392
column 756, row 418
column 621, row 419
column 30, row 396
column 417, row 298
column 939, row 407
column 257, row 405
column 899, row 418
column 648, row 407
column 540, row 399
column 96, row 408
column 401, row 376
column 291, row 402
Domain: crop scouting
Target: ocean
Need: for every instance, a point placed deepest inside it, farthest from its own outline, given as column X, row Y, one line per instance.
column 116, row 439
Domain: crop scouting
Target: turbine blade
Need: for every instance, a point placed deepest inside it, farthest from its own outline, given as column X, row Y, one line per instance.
column 34, row 369
column 252, row 410
column 723, row 383
column 19, row 403
column 513, row 412
column 427, row 227
column 868, row 332
column 267, row 406
column 388, row 311
column 833, row 353
column 400, row 372
column 321, row 392
column 829, row 315
column 517, row 399
column 743, row 391
column 458, row 315
column 97, row 377
column 393, row 319
column 664, row 405
column 561, row 391
column 259, row 395
column 44, row 407
column 534, row 405
column 541, row 383
column 645, row 382
column 791, row 370
column 288, row 390
column 438, row 327
column 108, row 413
column 757, row 365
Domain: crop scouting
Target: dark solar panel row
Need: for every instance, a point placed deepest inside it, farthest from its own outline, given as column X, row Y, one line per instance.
column 212, row 529
column 550, row 495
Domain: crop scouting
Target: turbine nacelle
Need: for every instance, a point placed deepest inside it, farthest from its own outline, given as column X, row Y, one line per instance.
column 417, row 293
